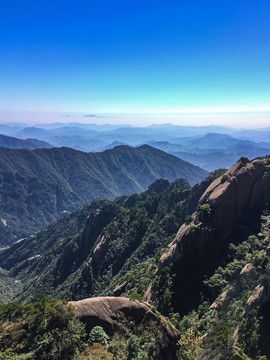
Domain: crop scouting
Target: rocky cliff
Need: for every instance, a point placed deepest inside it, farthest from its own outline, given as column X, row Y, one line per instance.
column 228, row 208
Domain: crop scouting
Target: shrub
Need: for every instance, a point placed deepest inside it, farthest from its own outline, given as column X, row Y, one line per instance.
column 216, row 283
column 47, row 328
column 224, row 337
column 204, row 211
column 253, row 241
column 8, row 355
column 242, row 250
column 95, row 351
column 224, row 178
column 249, row 328
column 135, row 296
column 188, row 219
column 98, row 335
column 203, row 208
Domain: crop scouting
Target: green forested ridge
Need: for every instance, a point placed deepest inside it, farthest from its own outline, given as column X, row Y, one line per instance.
column 115, row 248
column 133, row 235
column 39, row 186
column 60, row 254
column 49, row 237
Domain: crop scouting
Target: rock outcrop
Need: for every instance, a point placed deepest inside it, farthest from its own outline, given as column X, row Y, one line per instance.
column 112, row 312
column 247, row 275
column 259, row 296
column 228, row 205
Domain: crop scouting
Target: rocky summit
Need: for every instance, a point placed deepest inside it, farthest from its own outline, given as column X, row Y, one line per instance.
column 231, row 202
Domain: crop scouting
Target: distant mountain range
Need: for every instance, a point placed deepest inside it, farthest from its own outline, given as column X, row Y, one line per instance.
column 206, row 146
column 212, row 151
column 15, row 143
column 39, row 186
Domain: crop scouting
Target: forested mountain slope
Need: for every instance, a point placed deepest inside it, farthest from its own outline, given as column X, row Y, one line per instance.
column 104, row 239
column 127, row 231
column 200, row 255
column 39, row 186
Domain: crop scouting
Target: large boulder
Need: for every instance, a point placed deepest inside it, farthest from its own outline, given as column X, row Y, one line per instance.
column 112, row 312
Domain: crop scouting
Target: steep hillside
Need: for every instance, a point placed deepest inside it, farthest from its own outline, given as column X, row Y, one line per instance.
column 216, row 271
column 103, row 240
column 97, row 329
column 200, row 255
column 103, row 244
column 229, row 209
column 37, row 187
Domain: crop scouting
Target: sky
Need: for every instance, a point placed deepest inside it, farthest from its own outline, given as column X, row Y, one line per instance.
column 147, row 61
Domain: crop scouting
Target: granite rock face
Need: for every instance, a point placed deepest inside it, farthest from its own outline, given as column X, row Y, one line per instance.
column 108, row 312
column 230, row 202
column 243, row 187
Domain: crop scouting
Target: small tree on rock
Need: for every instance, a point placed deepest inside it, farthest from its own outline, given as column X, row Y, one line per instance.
column 98, row 335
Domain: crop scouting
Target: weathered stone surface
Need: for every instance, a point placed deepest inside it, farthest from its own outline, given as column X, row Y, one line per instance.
column 108, row 312
column 260, row 295
column 120, row 288
column 248, row 274
column 221, row 302
column 233, row 197
column 243, row 190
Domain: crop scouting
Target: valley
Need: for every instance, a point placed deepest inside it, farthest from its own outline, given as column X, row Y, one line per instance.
column 198, row 255
column 40, row 186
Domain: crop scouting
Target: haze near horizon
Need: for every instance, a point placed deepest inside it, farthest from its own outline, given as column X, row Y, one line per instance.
column 136, row 63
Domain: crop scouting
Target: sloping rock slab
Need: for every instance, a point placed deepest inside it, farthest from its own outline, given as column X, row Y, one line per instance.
column 108, row 312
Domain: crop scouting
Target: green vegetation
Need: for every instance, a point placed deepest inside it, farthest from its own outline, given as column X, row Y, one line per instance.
column 98, row 335
column 215, row 291
column 95, row 352
column 8, row 286
column 230, row 326
column 40, row 186
column 136, row 342
column 224, row 178
column 188, row 219
column 133, row 238
column 204, row 211
column 46, row 329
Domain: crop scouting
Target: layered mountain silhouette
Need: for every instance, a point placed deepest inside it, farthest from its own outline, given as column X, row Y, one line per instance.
column 15, row 143
column 212, row 150
column 209, row 147
column 37, row 187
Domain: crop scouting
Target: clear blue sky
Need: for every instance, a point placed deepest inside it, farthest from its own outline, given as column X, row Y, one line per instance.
column 135, row 56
